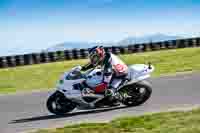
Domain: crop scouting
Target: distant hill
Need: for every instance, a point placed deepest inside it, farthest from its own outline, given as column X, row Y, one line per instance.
column 126, row 41
column 69, row 45
column 74, row 45
column 147, row 39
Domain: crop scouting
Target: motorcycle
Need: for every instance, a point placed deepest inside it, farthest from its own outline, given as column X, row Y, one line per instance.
column 74, row 89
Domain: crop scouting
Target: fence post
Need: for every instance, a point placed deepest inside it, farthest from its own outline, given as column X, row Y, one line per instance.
column 158, row 45
column 181, row 43
column 46, row 57
column 61, row 55
column 17, row 59
column 147, row 47
column 151, row 46
column 178, row 43
column 30, row 59
column 68, row 54
column 75, row 54
column 13, row 61
column 131, row 49
column 83, row 53
column 26, row 59
column 108, row 49
column 5, row 62
column 137, row 48
column 1, row 62
column 34, row 58
column 123, row 49
column 162, row 45
column 126, row 49
column 186, row 43
column 56, row 56
column 22, row 59
column 173, row 42
column 42, row 58
column 155, row 46
column 51, row 57
column 198, row 41
column 165, row 45
column 170, row 44
column 191, row 43
column 115, row 50
column 194, row 41
column 10, row 61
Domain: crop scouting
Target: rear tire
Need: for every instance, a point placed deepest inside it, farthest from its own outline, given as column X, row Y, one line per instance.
column 58, row 104
column 135, row 97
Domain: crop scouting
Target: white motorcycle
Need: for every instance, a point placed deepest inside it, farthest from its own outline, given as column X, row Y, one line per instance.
column 74, row 89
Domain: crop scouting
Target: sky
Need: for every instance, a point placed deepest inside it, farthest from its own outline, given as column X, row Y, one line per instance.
column 31, row 25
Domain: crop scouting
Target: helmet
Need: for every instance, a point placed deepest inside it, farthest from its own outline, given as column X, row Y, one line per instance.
column 96, row 55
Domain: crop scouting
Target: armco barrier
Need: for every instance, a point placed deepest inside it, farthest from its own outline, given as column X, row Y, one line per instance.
column 46, row 57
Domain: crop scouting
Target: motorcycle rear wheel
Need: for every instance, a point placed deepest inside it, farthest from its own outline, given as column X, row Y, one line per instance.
column 133, row 96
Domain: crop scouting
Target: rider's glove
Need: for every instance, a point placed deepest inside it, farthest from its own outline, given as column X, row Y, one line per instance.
column 79, row 68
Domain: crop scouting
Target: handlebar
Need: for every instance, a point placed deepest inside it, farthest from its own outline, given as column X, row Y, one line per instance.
column 75, row 73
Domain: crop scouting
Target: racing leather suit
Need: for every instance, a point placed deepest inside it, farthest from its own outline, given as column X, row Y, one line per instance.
column 114, row 70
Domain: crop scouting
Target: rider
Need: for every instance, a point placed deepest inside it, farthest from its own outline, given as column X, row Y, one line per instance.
column 114, row 69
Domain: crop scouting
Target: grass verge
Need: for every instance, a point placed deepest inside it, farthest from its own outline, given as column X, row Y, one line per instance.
column 44, row 76
column 170, row 122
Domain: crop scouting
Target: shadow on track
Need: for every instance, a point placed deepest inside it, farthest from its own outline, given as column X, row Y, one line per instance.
column 49, row 117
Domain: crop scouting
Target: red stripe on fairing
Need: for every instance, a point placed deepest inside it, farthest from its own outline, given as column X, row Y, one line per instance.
column 100, row 88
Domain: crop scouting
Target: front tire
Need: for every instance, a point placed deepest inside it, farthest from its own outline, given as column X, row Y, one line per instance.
column 58, row 104
column 134, row 96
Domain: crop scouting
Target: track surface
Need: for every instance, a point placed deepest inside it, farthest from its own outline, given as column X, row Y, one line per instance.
column 24, row 112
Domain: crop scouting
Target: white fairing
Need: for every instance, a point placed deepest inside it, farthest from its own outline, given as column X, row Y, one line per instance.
column 93, row 79
column 67, row 87
column 139, row 72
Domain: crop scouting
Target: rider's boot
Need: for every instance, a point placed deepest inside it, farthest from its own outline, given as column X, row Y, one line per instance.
column 111, row 94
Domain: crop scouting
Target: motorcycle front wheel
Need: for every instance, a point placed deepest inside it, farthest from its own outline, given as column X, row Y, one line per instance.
column 136, row 94
column 58, row 104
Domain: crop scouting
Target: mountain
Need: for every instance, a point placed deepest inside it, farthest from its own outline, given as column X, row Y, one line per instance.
column 18, row 51
column 69, row 45
column 148, row 38
column 126, row 41
column 74, row 45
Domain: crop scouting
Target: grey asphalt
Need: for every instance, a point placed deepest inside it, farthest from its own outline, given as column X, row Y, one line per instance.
column 27, row 112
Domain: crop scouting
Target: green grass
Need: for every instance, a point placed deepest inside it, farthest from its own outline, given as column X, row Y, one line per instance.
column 171, row 122
column 44, row 76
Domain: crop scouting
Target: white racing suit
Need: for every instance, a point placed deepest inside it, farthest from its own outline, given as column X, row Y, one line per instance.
column 114, row 71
